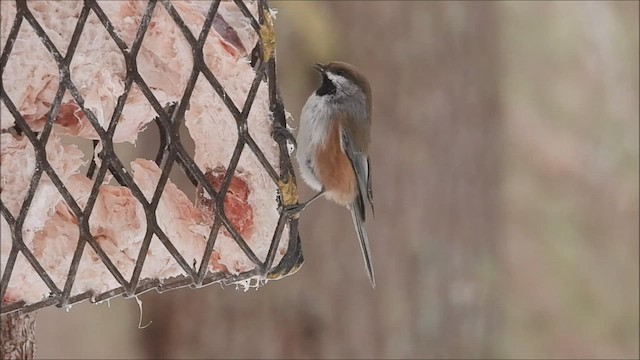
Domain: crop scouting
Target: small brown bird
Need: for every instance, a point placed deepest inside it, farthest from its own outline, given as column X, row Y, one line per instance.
column 333, row 142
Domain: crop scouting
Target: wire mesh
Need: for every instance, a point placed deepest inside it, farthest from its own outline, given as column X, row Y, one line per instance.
column 171, row 151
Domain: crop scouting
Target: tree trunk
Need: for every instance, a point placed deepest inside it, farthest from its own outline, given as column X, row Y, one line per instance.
column 18, row 336
column 436, row 165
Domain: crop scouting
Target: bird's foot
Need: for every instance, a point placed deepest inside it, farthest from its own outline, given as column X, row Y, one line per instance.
column 296, row 209
column 283, row 132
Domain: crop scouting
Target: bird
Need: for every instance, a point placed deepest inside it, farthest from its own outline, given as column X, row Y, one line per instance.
column 332, row 145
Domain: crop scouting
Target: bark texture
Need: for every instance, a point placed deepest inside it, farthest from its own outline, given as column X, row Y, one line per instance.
column 18, row 336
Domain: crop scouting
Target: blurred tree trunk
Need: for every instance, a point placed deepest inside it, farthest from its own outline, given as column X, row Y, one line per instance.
column 436, row 152
column 438, row 132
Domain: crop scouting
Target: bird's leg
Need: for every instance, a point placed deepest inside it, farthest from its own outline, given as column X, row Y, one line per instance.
column 298, row 208
column 281, row 131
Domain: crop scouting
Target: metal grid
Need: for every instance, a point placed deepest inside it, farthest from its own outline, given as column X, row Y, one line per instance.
column 171, row 151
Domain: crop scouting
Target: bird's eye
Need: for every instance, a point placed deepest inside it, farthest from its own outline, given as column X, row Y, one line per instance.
column 340, row 72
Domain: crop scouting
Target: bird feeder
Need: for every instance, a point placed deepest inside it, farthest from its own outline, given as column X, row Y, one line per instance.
column 81, row 226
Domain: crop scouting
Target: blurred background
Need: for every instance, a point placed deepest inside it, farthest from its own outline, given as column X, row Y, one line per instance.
column 505, row 171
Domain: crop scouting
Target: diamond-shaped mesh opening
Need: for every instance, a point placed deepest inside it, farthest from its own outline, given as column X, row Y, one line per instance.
column 228, row 43
column 238, row 212
column 97, row 206
column 268, row 216
column 30, row 83
column 202, row 125
column 85, row 150
column 55, row 244
column 125, row 20
column 137, row 134
column 66, row 12
column 37, row 288
column 97, row 71
column 5, row 28
column 6, row 119
column 18, row 166
column 159, row 62
column 193, row 15
column 118, row 224
column 159, row 267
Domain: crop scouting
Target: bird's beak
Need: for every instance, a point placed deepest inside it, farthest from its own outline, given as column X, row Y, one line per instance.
column 319, row 67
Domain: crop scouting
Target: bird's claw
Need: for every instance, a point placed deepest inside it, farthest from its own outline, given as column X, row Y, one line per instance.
column 283, row 132
column 293, row 210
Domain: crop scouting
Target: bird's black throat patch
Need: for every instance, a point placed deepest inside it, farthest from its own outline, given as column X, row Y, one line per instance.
column 327, row 87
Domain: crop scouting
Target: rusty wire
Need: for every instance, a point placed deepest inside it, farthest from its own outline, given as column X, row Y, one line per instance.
column 171, row 151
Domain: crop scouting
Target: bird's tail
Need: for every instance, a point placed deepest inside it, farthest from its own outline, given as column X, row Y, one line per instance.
column 358, row 222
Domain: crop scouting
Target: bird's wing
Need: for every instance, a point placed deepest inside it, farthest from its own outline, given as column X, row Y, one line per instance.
column 360, row 164
column 370, row 187
column 358, row 222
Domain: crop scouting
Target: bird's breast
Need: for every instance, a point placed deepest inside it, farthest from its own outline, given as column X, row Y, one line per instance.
column 314, row 121
column 312, row 131
column 334, row 169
